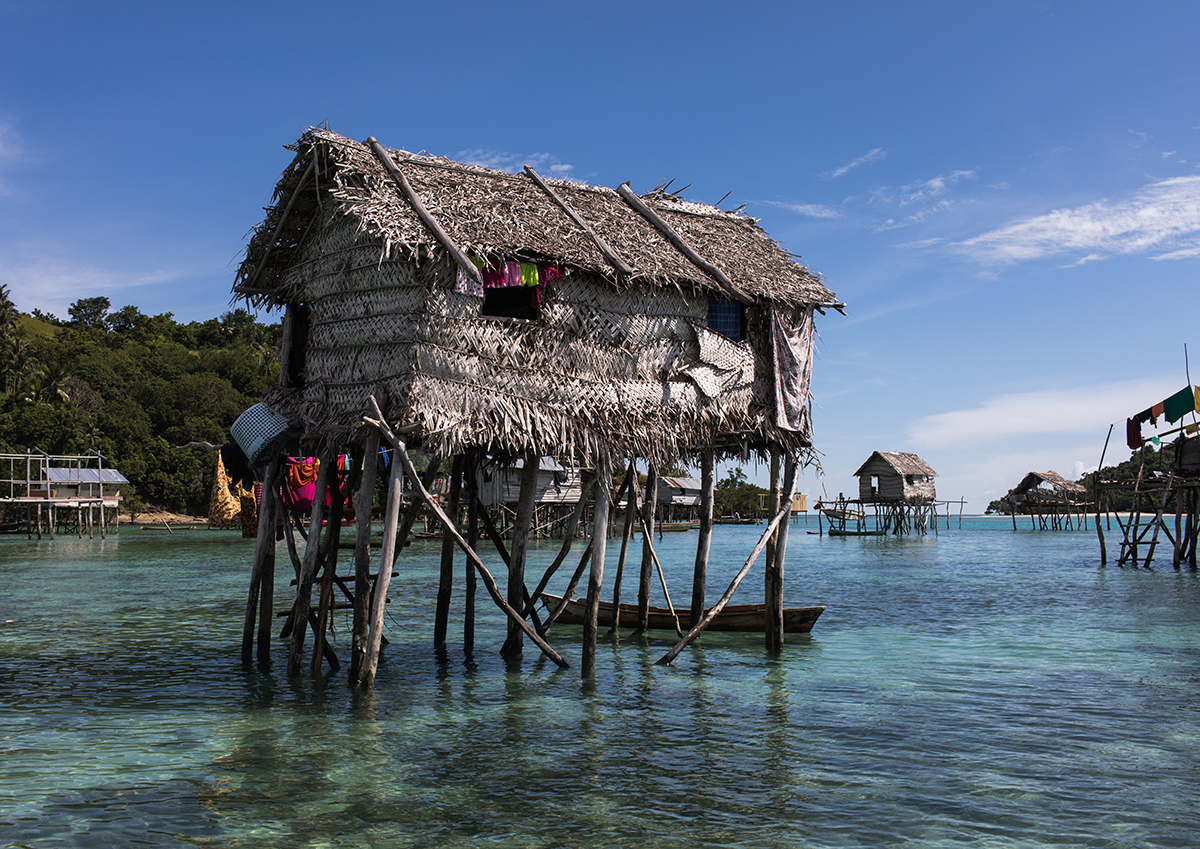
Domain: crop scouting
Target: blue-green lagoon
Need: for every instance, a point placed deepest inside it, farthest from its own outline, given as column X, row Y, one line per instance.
column 981, row 687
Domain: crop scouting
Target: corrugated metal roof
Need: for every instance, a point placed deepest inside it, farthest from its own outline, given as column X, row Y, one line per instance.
column 84, row 476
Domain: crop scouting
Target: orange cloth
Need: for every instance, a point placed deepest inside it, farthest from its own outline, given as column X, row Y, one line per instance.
column 300, row 472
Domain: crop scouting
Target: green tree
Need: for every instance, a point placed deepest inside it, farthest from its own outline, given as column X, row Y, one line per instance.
column 90, row 312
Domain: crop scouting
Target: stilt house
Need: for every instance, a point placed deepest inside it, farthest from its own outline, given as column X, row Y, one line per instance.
column 896, row 476
column 508, row 315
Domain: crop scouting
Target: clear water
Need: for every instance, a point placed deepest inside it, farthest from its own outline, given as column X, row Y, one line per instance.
column 983, row 687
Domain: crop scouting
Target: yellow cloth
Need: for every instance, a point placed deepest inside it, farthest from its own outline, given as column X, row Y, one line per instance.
column 224, row 508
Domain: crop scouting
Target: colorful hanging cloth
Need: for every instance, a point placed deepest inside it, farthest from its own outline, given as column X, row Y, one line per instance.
column 1180, row 404
column 1133, row 434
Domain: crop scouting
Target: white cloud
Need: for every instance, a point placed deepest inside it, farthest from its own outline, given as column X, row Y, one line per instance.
column 53, row 285
column 1162, row 215
column 1081, row 410
column 812, row 210
column 869, row 156
column 546, row 164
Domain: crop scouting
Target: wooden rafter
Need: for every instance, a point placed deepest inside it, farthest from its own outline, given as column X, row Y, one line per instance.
column 683, row 247
column 428, row 220
column 609, row 254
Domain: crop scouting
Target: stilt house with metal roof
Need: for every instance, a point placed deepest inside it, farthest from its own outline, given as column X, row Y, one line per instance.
column 510, row 316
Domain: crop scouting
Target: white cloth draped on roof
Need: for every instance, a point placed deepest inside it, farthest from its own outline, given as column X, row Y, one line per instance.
column 791, row 345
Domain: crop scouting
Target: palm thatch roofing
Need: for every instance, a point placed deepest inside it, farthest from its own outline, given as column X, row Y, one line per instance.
column 904, row 463
column 368, row 241
column 487, row 212
column 1056, row 481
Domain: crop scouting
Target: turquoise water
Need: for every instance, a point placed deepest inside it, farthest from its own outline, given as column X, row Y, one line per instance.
column 983, row 687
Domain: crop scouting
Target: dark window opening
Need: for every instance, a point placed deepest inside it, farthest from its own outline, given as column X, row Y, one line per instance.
column 727, row 317
column 511, row 301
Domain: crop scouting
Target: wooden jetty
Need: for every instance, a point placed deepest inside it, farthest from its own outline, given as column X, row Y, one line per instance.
column 486, row 318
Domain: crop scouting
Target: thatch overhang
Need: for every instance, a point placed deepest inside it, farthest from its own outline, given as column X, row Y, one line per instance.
column 489, row 213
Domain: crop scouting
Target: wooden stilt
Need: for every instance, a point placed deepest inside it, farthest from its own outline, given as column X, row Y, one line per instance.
column 648, row 509
column 599, row 542
column 631, row 509
column 517, row 591
column 774, row 599
column 264, row 550
column 772, row 580
column 387, row 557
column 446, row 576
column 584, row 560
column 309, row 565
column 724, row 600
column 568, row 538
column 704, row 544
column 475, row 478
column 328, row 556
column 488, row 581
column 363, row 504
column 266, row 584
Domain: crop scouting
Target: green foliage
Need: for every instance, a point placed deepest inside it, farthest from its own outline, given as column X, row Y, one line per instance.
column 734, row 495
column 133, row 387
column 90, row 312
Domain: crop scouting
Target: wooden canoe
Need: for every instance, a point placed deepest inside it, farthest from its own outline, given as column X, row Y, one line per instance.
column 734, row 617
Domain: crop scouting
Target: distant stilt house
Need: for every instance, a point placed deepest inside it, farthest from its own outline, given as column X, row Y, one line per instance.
column 488, row 318
column 558, row 489
column 900, row 487
column 1051, row 501
column 48, row 493
column 679, row 499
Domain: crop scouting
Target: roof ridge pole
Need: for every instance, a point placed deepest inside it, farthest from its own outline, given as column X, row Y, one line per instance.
column 680, row 245
column 609, row 254
column 428, row 220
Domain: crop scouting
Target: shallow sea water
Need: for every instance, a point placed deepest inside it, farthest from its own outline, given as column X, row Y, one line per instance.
column 981, row 687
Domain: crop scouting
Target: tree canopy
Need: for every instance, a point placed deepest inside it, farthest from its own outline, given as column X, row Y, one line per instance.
column 133, row 387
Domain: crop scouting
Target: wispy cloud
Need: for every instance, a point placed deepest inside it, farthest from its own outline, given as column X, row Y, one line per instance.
column 52, row 285
column 924, row 190
column 869, row 156
column 1163, row 215
column 812, row 210
column 1082, row 409
column 546, row 164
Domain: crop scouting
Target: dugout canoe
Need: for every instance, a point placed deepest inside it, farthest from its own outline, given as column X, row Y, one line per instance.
column 734, row 617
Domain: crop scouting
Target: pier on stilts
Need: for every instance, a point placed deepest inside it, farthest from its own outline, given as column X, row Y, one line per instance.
column 1162, row 511
column 490, row 320
column 47, row 494
column 1051, row 502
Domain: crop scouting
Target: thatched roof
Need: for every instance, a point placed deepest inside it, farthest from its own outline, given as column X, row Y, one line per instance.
column 494, row 213
column 1054, row 479
column 902, row 462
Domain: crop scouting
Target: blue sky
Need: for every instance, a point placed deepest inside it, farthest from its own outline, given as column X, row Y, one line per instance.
column 1006, row 195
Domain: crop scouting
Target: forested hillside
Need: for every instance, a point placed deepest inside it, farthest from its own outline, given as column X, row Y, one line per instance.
column 133, row 387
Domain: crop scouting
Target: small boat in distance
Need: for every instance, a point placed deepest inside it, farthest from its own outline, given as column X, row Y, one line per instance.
column 734, row 617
